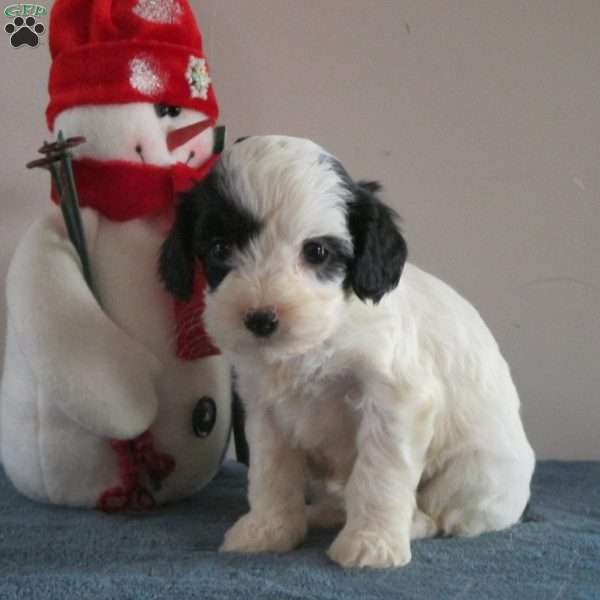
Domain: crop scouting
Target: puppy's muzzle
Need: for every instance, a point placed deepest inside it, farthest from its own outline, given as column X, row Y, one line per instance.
column 262, row 322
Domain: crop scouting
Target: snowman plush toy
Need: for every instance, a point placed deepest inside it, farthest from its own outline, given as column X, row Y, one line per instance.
column 118, row 402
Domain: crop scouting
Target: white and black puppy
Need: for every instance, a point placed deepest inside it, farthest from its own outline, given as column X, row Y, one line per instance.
column 369, row 380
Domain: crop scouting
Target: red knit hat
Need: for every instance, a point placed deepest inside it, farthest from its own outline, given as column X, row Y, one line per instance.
column 119, row 51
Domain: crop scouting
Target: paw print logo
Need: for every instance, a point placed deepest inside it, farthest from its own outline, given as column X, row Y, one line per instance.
column 24, row 31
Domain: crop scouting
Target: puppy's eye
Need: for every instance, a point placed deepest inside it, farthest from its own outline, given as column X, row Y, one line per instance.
column 162, row 110
column 220, row 251
column 315, row 253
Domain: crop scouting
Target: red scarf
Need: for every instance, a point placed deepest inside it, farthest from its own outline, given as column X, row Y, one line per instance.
column 121, row 191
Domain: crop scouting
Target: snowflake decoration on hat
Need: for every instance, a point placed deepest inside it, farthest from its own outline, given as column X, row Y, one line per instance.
column 168, row 12
column 144, row 76
column 198, row 78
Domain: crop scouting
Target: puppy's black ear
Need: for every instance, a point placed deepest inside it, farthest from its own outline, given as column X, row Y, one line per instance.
column 379, row 248
column 177, row 257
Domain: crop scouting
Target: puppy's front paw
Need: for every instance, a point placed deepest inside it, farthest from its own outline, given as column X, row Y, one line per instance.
column 370, row 548
column 265, row 533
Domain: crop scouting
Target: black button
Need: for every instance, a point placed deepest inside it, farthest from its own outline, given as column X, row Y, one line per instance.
column 204, row 417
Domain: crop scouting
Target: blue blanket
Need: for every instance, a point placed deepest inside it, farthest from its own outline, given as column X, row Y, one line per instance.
column 52, row 553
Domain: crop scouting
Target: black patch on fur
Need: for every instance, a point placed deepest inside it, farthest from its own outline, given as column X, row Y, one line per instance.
column 380, row 251
column 220, row 219
column 205, row 215
column 176, row 262
column 339, row 169
column 240, row 140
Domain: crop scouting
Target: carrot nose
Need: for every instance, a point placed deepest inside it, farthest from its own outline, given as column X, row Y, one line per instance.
column 180, row 136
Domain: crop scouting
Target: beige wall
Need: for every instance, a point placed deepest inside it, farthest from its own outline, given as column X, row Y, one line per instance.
column 481, row 118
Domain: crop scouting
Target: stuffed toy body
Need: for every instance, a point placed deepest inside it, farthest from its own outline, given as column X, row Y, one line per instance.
column 118, row 401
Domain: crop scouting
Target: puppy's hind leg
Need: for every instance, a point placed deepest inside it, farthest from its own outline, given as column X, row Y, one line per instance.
column 477, row 491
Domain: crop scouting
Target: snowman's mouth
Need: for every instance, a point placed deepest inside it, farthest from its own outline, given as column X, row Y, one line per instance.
column 140, row 153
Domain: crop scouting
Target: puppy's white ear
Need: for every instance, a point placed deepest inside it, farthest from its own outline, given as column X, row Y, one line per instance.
column 379, row 248
column 177, row 256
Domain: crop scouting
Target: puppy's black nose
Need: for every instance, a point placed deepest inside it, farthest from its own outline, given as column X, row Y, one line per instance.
column 262, row 323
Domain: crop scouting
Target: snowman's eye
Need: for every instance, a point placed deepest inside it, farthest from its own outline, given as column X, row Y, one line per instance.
column 162, row 110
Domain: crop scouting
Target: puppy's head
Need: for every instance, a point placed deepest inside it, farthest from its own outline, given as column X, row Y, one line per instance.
column 284, row 237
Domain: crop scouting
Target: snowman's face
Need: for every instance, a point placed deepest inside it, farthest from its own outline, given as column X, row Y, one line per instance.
column 136, row 133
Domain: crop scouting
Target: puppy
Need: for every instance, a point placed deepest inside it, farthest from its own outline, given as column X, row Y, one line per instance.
column 364, row 379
